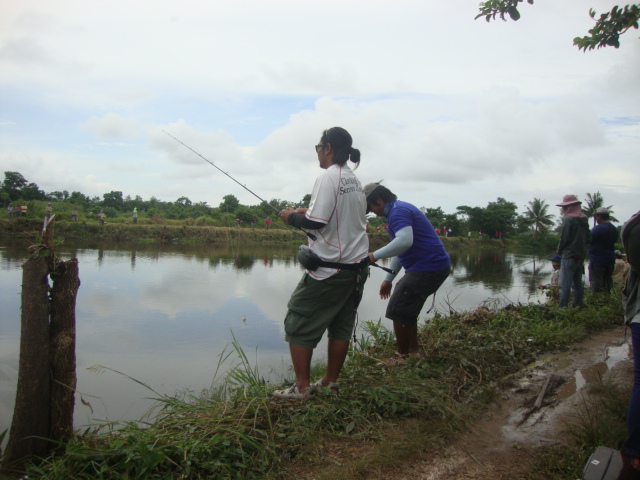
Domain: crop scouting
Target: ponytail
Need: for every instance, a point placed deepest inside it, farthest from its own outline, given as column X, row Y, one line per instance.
column 341, row 142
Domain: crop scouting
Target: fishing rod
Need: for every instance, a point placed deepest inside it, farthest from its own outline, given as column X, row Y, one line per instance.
column 308, row 234
column 242, row 210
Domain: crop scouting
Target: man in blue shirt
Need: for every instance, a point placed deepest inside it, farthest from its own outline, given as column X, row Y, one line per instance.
column 416, row 247
column 602, row 257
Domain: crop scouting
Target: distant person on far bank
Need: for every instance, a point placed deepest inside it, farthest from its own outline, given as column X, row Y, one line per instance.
column 101, row 217
column 23, row 209
column 631, row 298
column 74, row 215
column 574, row 239
column 9, row 210
column 414, row 245
column 602, row 256
column 134, row 215
column 48, row 210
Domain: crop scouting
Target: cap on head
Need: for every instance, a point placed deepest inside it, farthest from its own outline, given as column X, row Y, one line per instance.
column 568, row 200
column 603, row 211
column 369, row 191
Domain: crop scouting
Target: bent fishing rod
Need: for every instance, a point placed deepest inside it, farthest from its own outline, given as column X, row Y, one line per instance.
column 308, row 234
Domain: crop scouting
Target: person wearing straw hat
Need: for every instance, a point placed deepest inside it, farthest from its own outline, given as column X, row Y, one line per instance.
column 574, row 238
column 602, row 253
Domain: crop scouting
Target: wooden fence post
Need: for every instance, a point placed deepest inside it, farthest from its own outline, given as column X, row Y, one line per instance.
column 45, row 396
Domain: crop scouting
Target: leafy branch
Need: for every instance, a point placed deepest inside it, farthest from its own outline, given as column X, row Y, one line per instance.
column 606, row 31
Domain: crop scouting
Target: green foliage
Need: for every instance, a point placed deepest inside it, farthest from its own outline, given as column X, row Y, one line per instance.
column 609, row 27
column 498, row 216
column 606, row 31
column 537, row 215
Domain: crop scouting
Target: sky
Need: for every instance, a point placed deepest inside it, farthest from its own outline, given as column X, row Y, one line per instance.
column 445, row 109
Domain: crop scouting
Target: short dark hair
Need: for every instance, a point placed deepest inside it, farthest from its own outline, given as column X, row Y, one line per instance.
column 341, row 142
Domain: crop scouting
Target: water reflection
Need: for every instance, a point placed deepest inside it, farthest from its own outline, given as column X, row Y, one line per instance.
column 163, row 314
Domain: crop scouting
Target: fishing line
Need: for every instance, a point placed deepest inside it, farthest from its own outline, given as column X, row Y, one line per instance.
column 308, row 234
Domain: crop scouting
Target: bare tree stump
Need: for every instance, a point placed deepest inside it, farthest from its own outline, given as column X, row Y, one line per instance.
column 31, row 415
column 45, row 397
column 63, row 348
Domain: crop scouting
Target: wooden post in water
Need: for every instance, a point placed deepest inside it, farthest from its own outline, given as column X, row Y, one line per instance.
column 63, row 348
column 46, row 378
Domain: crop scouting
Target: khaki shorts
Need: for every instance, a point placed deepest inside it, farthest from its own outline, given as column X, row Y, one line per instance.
column 317, row 306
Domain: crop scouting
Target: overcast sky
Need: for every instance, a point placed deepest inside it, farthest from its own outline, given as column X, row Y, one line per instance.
column 446, row 109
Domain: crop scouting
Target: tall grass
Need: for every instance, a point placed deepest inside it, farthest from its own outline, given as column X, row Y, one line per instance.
column 388, row 414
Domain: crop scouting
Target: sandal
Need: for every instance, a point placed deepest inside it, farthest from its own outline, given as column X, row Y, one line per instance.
column 294, row 393
column 331, row 386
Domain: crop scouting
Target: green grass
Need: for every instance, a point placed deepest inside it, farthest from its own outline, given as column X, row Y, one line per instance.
column 386, row 414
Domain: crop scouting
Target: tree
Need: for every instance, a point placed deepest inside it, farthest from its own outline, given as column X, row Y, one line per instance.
column 113, row 199
column 304, row 203
column 13, row 184
column 33, row 192
column 435, row 216
column 500, row 216
column 229, row 204
column 606, row 31
column 594, row 202
column 537, row 215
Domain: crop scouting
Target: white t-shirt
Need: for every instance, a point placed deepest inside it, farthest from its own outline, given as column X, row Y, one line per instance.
column 339, row 202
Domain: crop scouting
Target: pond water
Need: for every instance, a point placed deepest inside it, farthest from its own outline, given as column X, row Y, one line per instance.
column 164, row 315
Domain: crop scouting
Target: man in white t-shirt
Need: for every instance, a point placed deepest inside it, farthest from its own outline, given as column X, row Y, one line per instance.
column 326, row 297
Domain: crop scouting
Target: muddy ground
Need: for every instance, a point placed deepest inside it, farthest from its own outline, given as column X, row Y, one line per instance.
column 500, row 445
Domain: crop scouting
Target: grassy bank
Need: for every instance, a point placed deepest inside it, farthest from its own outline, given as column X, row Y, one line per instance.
column 383, row 416
column 179, row 231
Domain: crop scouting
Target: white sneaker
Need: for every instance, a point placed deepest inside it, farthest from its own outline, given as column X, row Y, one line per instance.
column 333, row 387
column 293, row 393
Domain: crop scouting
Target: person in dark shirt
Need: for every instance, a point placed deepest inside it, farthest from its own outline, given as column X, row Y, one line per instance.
column 602, row 257
column 631, row 299
column 574, row 238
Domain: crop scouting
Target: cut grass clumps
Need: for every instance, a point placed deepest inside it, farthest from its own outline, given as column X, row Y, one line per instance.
column 384, row 414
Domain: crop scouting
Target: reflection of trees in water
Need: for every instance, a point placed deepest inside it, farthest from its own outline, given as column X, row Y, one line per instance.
column 534, row 272
column 488, row 267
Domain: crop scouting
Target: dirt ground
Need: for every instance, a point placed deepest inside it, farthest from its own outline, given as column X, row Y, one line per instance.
column 499, row 446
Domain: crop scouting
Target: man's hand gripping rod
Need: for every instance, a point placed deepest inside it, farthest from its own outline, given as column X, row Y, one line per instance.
column 310, row 235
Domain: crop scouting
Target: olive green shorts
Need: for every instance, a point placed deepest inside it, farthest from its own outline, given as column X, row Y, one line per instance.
column 317, row 306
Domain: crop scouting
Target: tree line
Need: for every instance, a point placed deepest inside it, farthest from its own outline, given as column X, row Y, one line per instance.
column 500, row 216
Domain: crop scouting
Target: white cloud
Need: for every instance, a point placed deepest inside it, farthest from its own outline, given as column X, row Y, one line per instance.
column 447, row 109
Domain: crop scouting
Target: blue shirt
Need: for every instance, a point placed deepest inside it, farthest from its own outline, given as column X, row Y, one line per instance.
column 603, row 239
column 427, row 254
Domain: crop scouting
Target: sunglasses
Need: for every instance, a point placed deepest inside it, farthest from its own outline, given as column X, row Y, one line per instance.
column 319, row 146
